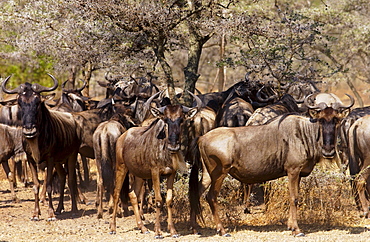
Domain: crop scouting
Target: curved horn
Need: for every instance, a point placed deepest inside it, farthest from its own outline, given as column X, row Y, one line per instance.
column 261, row 99
column 197, row 100
column 303, row 97
column 83, row 86
column 307, row 104
column 39, row 88
column 15, row 90
column 132, row 78
column 351, row 104
column 149, row 101
column 107, row 77
column 64, row 83
column 285, row 86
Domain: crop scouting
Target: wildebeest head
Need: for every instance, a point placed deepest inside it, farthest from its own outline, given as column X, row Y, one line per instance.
column 73, row 97
column 328, row 109
column 30, row 101
column 174, row 117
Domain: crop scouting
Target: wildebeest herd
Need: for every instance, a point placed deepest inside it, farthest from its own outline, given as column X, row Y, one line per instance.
column 253, row 131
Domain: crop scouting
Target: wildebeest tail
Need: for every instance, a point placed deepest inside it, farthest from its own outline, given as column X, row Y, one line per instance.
column 107, row 174
column 124, row 192
column 194, row 196
column 353, row 164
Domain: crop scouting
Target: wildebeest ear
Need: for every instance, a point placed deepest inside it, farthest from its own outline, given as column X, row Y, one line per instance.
column 9, row 102
column 191, row 113
column 156, row 112
column 344, row 113
column 313, row 113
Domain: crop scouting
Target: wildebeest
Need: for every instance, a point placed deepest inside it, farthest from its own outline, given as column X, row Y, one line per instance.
column 342, row 147
column 359, row 162
column 234, row 113
column 261, row 116
column 149, row 153
column 71, row 100
column 50, row 136
column 247, row 89
column 104, row 141
column 10, row 145
column 288, row 146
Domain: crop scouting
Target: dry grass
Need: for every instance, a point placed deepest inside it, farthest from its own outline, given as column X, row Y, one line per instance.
column 325, row 199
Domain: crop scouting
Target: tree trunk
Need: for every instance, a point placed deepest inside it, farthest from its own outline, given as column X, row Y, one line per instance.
column 222, row 68
column 87, row 72
column 159, row 52
column 196, row 42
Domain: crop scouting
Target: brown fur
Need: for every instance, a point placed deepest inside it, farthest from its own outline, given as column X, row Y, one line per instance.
column 149, row 153
column 359, row 162
column 288, row 147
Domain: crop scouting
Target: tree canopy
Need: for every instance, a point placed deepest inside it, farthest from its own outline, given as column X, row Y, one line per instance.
column 187, row 43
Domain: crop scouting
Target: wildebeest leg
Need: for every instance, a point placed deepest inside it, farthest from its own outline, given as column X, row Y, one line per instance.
column 9, row 171
column 43, row 189
column 169, row 200
column 62, row 179
column 200, row 189
column 99, row 191
column 293, row 184
column 121, row 173
column 158, row 202
column 72, row 181
column 139, row 189
column 362, row 188
column 135, row 206
column 85, row 167
column 247, row 191
column 36, row 187
column 24, row 176
column 211, row 197
column 49, row 189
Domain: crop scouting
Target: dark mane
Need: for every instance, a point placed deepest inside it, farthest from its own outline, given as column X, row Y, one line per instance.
column 58, row 128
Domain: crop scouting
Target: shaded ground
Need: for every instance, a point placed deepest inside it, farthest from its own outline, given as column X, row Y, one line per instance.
column 15, row 225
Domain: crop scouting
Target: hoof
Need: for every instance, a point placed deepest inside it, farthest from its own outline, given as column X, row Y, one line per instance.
column 300, row 235
column 112, row 232
column 158, row 237
column 175, row 236
column 146, row 232
column 35, row 219
column 227, row 235
column 52, row 219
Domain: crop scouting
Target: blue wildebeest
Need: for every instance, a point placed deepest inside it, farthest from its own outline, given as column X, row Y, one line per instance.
column 71, row 100
column 104, row 142
column 343, row 147
column 254, row 92
column 10, row 117
column 291, row 146
column 359, row 162
column 149, row 153
column 51, row 137
column 10, row 145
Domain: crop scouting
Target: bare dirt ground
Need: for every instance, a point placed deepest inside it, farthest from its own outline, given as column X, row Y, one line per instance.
column 16, row 225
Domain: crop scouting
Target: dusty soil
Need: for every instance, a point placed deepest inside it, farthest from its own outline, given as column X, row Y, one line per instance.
column 16, row 225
